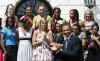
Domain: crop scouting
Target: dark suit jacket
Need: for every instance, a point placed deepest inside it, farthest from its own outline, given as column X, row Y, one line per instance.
column 74, row 47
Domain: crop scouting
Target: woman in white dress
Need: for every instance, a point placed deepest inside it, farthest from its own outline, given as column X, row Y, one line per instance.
column 25, row 46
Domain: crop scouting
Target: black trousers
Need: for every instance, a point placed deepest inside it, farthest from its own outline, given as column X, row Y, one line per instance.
column 61, row 57
column 11, row 53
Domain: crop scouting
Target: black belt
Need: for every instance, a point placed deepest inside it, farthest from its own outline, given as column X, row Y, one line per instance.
column 25, row 38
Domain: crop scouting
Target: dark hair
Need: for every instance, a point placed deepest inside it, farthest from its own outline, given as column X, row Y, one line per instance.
column 24, row 20
column 26, row 23
column 57, row 8
column 12, row 19
column 77, row 25
column 28, row 6
column 96, row 26
column 75, row 11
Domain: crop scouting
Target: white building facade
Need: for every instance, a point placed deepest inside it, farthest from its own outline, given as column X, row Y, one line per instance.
column 65, row 6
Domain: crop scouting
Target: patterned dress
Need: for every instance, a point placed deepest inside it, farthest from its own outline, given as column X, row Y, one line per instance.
column 41, row 52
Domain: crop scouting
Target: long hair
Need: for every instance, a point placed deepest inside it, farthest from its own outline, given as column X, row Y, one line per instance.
column 57, row 8
column 75, row 11
column 40, row 27
column 91, row 13
column 25, row 21
column 96, row 26
column 12, row 20
column 7, row 8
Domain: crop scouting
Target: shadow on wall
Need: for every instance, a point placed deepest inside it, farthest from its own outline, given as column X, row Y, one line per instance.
column 97, row 15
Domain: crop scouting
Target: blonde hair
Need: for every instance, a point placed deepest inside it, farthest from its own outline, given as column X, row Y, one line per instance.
column 91, row 13
column 41, row 21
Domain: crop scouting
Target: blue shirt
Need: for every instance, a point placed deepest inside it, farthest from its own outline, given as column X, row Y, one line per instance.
column 9, row 36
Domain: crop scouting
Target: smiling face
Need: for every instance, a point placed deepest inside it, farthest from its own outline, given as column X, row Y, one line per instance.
column 89, row 15
column 95, row 29
column 72, row 15
column 43, row 25
column 58, row 28
column 57, row 13
column 75, row 29
column 10, row 11
column 10, row 21
column 29, row 11
column 41, row 10
column 66, row 30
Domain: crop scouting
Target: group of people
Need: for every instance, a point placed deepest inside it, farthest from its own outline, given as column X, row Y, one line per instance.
column 48, row 38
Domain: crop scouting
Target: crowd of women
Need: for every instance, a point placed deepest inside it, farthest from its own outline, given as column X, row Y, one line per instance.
column 48, row 38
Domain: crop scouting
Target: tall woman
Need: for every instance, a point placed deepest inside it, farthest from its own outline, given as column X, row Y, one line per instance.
column 25, row 46
column 9, row 40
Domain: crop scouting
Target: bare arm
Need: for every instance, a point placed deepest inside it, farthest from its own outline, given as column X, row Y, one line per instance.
column 34, row 41
column 4, row 21
column 51, row 36
column 98, row 42
column 17, row 38
column 2, row 43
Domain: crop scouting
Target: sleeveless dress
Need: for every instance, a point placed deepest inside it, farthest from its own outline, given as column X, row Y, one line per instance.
column 41, row 52
column 25, row 46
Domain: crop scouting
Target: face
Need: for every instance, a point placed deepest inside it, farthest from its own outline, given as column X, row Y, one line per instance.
column 88, row 16
column 66, row 30
column 72, row 15
column 43, row 25
column 20, row 24
column 57, row 13
column 10, row 11
column 28, row 11
column 58, row 27
column 41, row 10
column 75, row 29
column 83, row 29
column 10, row 22
column 95, row 29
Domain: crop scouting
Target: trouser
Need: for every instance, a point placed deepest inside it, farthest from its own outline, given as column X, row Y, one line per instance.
column 11, row 53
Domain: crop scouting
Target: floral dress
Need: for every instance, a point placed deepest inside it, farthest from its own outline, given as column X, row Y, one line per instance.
column 41, row 52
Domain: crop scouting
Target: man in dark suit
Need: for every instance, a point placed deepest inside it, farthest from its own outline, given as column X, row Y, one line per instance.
column 72, row 48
